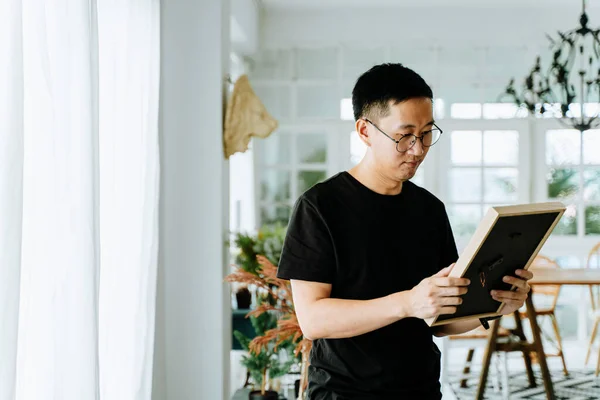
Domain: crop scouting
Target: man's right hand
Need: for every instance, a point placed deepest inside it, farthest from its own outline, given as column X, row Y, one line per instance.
column 436, row 295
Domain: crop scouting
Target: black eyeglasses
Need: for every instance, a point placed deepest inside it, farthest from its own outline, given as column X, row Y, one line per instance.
column 406, row 142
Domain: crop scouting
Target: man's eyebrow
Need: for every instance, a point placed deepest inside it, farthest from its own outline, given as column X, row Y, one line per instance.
column 406, row 126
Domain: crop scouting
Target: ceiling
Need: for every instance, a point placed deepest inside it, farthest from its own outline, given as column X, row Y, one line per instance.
column 329, row 4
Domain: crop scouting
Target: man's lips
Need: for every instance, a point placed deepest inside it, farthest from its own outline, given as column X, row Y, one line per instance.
column 413, row 163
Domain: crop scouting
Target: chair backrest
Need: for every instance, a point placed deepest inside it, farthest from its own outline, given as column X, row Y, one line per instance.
column 593, row 261
column 549, row 292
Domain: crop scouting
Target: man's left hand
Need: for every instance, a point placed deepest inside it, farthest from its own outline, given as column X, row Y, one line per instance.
column 515, row 299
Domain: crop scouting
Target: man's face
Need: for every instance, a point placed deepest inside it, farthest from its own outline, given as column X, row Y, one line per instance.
column 412, row 116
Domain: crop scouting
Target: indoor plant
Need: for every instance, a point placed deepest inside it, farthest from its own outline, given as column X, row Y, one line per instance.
column 287, row 330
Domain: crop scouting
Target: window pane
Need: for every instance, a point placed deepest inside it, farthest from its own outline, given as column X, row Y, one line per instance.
column 562, row 182
column 272, row 64
column 592, row 220
column 464, row 219
column 465, row 184
column 419, row 178
column 275, row 214
column 591, row 147
column 465, row 110
column 307, row 179
column 591, row 191
column 563, row 147
column 439, row 108
column 568, row 222
column 311, row 148
column 466, row 147
column 501, row 147
column 500, row 184
column 275, row 149
column 346, row 111
column 276, row 99
column 320, row 101
column 275, row 185
column 357, row 148
column 500, row 110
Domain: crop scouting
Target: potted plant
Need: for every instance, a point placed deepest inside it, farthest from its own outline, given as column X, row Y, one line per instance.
column 286, row 329
column 264, row 364
column 243, row 297
column 268, row 242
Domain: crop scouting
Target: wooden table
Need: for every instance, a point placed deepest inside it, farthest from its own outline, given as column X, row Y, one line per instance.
column 542, row 276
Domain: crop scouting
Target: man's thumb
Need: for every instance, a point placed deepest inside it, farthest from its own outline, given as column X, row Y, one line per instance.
column 445, row 271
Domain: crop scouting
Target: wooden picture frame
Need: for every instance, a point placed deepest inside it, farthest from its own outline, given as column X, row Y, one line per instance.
column 507, row 238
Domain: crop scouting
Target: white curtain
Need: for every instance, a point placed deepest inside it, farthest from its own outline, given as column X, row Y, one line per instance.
column 78, row 198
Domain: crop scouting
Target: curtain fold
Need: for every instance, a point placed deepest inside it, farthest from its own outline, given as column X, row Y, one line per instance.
column 79, row 167
column 11, row 188
column 129, row 73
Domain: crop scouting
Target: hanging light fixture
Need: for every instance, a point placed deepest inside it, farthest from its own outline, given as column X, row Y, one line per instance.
column 569, row 89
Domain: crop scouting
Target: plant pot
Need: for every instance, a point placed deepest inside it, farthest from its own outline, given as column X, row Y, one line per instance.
column 244, row 298
column 269, row 395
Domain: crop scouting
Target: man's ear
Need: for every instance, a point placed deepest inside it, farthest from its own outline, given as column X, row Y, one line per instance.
column 361, row 127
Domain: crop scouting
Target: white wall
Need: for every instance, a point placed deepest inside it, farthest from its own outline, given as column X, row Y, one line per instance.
column 405, row 25
column 193, row 321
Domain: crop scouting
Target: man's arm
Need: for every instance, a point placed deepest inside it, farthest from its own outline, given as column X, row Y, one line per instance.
column 323, row 317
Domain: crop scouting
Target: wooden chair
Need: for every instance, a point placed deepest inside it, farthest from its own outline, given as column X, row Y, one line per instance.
column 593, row 261
column 544, row 299
column 472, row 340
column 503, row 341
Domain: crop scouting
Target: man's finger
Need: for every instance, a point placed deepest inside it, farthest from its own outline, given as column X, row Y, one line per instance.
column 452, row 291
column 503, row 295
column 445, row 271
column 447, row 310
column 525, row 274
column 450, row 301
column 518, row 282
column 451, row 281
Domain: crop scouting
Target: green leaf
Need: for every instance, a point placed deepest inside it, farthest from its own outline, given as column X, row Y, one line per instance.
column 243, row 339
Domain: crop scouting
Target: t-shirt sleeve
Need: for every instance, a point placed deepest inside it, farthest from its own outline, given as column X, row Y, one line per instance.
column 308, row 252
column 449, row 250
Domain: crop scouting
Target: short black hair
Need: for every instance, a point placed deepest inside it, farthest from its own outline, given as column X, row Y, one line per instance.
column 384, row 83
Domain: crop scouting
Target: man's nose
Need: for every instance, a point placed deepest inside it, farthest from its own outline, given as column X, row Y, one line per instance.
column 417, row 149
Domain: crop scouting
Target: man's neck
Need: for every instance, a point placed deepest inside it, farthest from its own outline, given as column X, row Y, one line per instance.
column 370, row 177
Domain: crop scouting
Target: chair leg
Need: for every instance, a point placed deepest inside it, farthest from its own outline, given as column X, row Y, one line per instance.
column 467, row 368
column 592, row 338
column 598, row 365
column 559, row 343
column 526, row 354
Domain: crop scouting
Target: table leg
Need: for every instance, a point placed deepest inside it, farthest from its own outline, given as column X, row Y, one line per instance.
column 539, row 347
column 526, row 356
column 487, row 358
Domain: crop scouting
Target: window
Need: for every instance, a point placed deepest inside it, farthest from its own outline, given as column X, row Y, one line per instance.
column 573, row 177
column 289, row 164
column 483, row 173
column 486, row 111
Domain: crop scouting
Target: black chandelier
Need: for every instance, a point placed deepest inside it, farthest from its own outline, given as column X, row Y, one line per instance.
column 569, row 89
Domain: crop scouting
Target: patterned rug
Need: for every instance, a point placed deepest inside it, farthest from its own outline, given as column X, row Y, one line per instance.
column 579, row 385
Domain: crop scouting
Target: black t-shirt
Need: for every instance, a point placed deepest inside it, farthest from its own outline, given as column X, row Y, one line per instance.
column 368, row 245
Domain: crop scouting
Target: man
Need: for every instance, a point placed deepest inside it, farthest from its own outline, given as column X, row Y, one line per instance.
column 368, row 254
